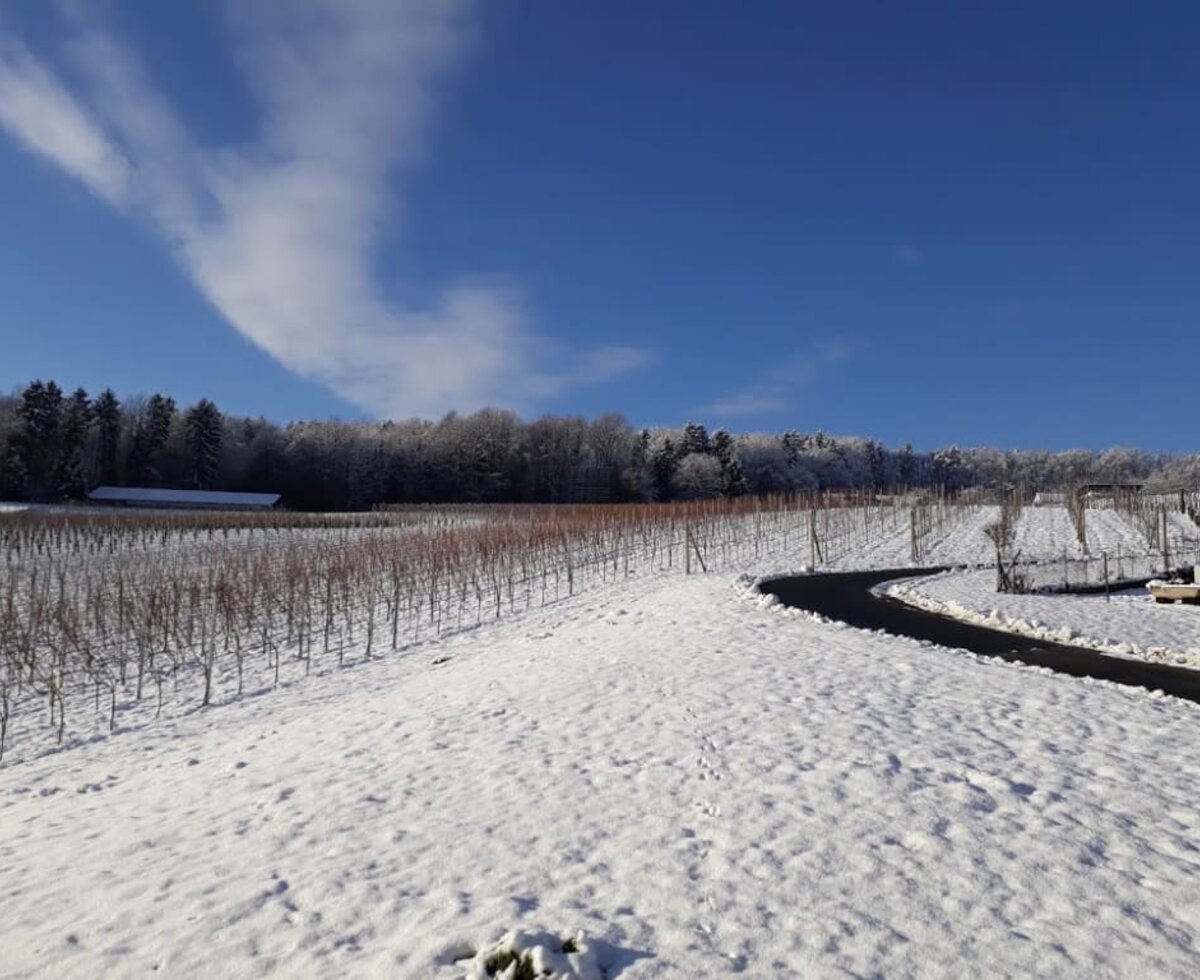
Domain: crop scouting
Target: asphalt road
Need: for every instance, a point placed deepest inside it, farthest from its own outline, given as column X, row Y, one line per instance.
column 847, row 597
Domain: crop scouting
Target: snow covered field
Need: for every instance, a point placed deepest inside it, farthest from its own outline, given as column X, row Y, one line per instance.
column 959, row 540
column 1129, row 625
column 1126, row 625
column 680, row 779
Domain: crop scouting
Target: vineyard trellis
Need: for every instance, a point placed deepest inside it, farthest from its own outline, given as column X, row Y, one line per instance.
column 118, row 609
column 1167, row 523
column 115, row 608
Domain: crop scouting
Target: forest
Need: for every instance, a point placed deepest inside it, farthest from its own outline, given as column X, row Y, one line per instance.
column 55, row 446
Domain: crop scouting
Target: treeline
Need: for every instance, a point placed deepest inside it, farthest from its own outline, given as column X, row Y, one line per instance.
column 56, row 446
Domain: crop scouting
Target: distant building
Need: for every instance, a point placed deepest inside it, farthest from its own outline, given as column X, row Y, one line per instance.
column 1110, row 494
column 182, row 499
column 1110, row 489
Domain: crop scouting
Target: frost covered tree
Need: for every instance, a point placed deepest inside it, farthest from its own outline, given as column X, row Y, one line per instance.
column 610, row 440
column 640, row 479
column 698, row 476
column 1123, row 465
column 881, row 465
column 827, row 463
column 906, row 466
column 766, row 465
column 694, row 439
column 663, row 461
column 733, row 479
column 856, row 458
column 555, row 446
column 491, row 441
column 493, row 456
column 792, row 444
column 948, row 468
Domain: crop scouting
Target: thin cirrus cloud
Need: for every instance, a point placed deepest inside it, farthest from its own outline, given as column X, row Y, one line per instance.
column 36, row 107
column 773, row 392
column 280, row 235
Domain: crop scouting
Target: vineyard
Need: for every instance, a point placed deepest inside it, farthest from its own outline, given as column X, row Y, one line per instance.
column 1102, row 541
column 108, row 618
column 472, row 701
column 112, row 613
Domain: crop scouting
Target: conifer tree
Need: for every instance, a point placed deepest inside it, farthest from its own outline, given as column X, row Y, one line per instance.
column 70, row 481
column 731, row 467
column 69, row 478
column 204, row 428
column 160, row 411
column 694, row 440
column 107, row 413
column 876, row 457
column 793, row 444
column 662, row 464
column 641, row 449
column 149, row 439
column 38, row 439
column 76, row 417
column 14, row 478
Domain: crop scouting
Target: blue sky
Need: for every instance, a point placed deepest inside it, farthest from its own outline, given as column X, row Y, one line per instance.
column 930, row 222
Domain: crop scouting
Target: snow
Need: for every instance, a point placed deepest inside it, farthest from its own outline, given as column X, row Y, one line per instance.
column 1043, row 532
column 1112, row 531
column 682, row 777
column 1047, row 532
column 1124, row 625
column 1128, row 624
column 959, row 539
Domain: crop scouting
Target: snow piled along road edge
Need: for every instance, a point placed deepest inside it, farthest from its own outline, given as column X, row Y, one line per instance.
column 749, row 589
column 909, row 591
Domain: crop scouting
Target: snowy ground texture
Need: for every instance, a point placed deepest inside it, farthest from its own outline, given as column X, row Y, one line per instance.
column 1125, row 625
column 678, row 778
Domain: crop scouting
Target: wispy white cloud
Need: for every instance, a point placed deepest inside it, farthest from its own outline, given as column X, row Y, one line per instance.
column 280, row 235
column 773, row 391
column 606, row 363
column 762, row 399
column 36, row 106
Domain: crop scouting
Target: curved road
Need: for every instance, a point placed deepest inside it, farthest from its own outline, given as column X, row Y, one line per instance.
column 847, row 596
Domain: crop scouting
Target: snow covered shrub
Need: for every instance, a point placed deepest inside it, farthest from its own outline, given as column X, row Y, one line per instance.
column 511, row 965
column 521, row 955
